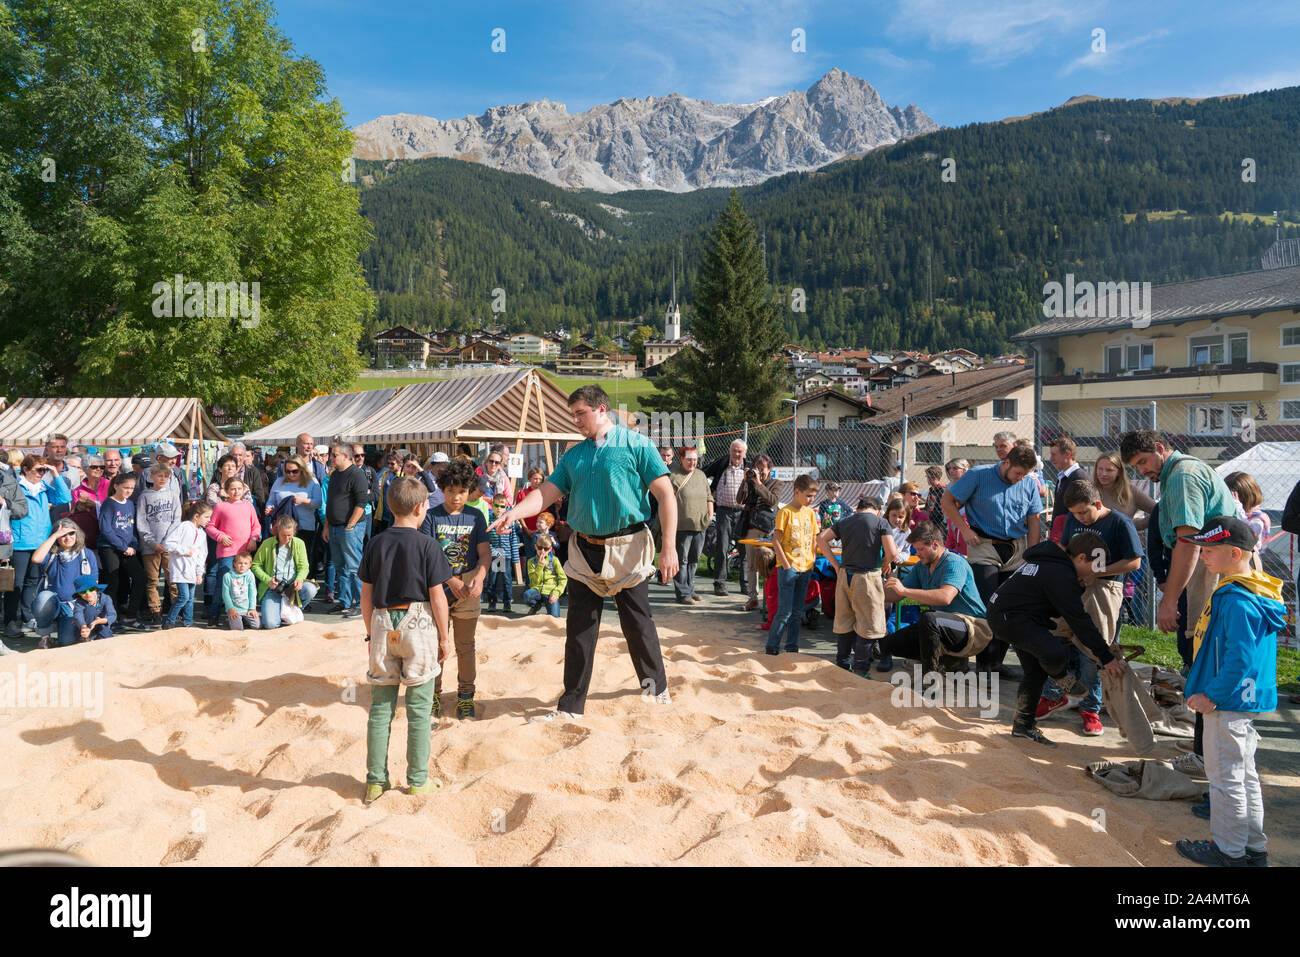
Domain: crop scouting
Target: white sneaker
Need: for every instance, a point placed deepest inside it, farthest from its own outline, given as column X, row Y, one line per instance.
column 552, row 715
column 663, row 697
column 6, row 650
column 1191, row 764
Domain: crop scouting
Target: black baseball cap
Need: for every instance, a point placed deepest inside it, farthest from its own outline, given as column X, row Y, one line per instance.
column 141, row 458
column 1224, row 530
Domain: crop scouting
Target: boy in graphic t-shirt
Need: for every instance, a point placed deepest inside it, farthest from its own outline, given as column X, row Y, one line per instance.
column 462, row 533
column 794, row 541
column 403, row 604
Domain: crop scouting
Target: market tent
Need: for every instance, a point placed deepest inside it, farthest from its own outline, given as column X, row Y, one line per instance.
column 518, row 405
column 1274, row 465
column 126, row 421
column 323, row 417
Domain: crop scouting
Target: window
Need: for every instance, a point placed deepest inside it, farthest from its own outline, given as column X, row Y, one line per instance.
column 1127, row 358
column 929, row 453
column 1218, row 350
column 1123, row 419
column 816, row 422
column 1291, row 336
column 1291, row 373
column 973, row 412
column 1216, row 419
column 850, row 422
column 1291, row 410
column 1004, row 409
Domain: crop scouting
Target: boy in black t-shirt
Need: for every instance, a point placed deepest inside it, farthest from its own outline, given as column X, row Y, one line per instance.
column 859, row 589
column 402, row 602
column 462, row 533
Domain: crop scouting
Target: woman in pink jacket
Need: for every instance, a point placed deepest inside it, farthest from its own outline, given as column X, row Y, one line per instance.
column 235, row 528
column 94, row 485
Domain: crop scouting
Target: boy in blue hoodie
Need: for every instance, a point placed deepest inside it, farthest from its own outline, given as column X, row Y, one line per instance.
column 1233, row 677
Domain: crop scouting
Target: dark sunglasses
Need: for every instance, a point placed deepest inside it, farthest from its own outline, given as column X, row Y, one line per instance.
column 494, row 461
column 95, row 468
column 291, row 471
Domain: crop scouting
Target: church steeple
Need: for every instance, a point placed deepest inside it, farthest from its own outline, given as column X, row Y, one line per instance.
column 673, row 317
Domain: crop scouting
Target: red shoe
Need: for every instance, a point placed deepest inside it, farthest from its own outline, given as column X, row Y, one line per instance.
column 751, row 604
column 1091, row 724
column 763, row 627
column 1046, row 707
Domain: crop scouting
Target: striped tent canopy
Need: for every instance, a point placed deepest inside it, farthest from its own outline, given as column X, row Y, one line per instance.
column 323, row 417
column 106, row 421
column 519, row 404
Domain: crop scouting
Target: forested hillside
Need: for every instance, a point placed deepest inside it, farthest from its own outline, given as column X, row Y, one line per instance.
column 888, row 253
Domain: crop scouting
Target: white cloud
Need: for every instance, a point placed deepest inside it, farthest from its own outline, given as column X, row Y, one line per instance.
column 721, row 50
column 1110, row 59
column 994, row 32
column 1251, row 82
column 891, row 60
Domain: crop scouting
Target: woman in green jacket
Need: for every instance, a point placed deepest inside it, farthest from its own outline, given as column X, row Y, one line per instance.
column 280, row 567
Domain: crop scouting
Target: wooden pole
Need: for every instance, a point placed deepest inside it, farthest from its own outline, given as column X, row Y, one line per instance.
column 541, row 412
column 523, row 412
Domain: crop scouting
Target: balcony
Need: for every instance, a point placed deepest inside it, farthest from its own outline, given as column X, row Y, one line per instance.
column 1235, row 378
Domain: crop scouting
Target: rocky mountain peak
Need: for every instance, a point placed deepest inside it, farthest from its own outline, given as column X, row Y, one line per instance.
column 670, row 142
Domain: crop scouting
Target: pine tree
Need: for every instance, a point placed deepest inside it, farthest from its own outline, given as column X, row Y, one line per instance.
column 737, row 375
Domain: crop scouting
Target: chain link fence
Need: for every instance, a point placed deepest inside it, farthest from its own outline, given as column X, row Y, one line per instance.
column 859, row 452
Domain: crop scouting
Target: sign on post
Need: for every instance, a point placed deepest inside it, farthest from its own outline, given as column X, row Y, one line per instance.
column 515, row 465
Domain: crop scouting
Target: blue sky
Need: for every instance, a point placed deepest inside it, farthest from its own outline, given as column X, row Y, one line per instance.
column 961, row 61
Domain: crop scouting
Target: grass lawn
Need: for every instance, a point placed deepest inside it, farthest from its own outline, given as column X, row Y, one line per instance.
column 628, row 391
column 1162, row 649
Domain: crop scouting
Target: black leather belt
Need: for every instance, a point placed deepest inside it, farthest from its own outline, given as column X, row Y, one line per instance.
column 629, row 530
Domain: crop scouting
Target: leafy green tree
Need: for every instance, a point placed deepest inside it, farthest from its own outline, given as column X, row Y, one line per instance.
column 150, row 139
column 737, row 374
column 638, row 339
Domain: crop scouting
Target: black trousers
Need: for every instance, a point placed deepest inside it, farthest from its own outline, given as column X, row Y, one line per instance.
column 582, row 629
column 1042, row 655
column 124, row 576
column 853, row 652
column 728, row 521
column 928, row 642
column 987, row 580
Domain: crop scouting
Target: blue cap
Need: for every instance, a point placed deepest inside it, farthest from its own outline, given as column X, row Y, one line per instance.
column 85, row 583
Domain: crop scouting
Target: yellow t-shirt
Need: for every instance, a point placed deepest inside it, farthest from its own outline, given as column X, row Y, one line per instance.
column 796, row 529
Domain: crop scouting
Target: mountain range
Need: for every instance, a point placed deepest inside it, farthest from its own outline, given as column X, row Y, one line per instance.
column 672, row 142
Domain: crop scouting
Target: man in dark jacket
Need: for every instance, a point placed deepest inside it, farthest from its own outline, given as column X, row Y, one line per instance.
column 1049, row 585
column 726, row 475
column 251, row 476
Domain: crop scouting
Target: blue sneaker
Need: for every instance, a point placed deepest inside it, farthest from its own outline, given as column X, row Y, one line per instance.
column 1202, row 807
column 1208, row 853
column 465, row 706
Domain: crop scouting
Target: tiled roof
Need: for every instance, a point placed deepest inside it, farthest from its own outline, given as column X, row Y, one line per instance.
column 935, row 394
column 1258, row 291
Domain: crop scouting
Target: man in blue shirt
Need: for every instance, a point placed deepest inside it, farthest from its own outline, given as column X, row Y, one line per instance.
column 607, row 478
column 954, row 627
column 995, row 508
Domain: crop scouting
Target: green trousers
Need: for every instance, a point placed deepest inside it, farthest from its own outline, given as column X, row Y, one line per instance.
column 419, row 711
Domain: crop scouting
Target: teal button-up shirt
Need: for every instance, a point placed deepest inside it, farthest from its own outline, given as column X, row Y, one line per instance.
column 1191, row 493
column 607, row 485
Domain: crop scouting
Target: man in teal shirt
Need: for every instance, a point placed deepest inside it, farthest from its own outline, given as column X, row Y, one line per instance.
column 1191, row 493
column 607, row 478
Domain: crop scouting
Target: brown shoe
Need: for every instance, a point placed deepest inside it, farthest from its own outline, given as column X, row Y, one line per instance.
column 751, row 604
column 695, row 599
